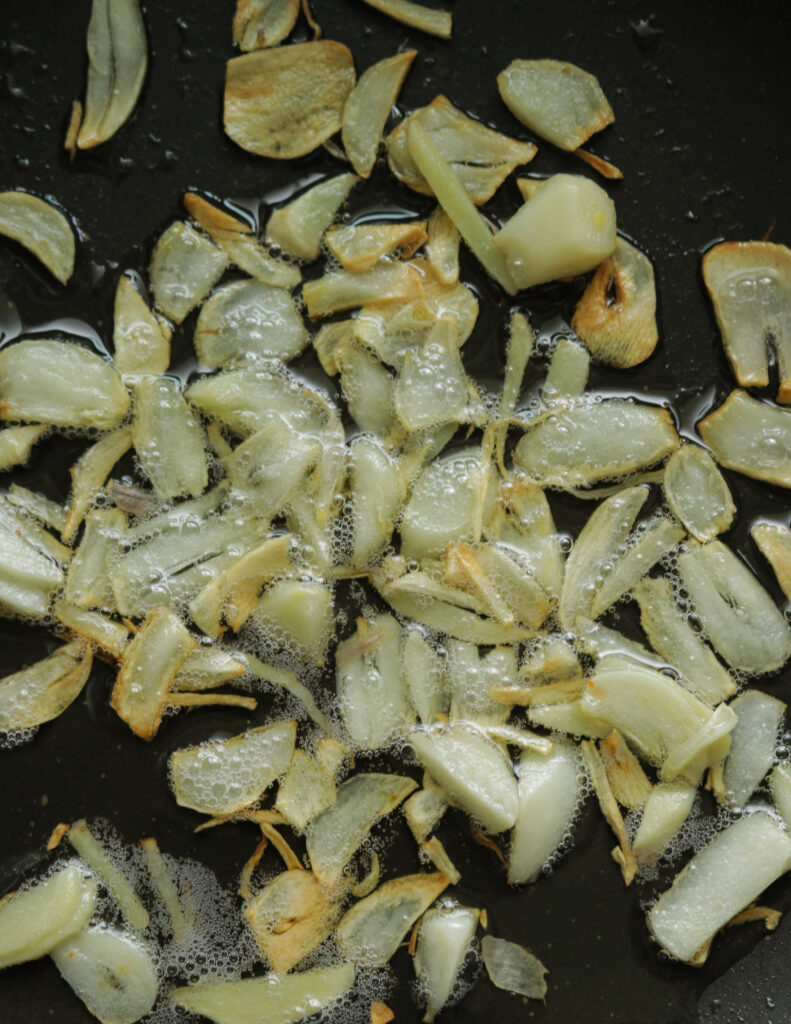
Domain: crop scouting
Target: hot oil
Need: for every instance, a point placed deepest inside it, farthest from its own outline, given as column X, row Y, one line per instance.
column 152, row 809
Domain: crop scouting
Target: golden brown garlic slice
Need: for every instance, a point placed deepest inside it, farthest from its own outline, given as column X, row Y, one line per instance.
column 622, row 332
column 285, row 102
column 427, row 19
column 750, row 288
column 361, row 246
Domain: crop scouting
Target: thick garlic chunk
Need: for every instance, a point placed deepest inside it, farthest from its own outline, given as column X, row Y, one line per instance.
column 567, row 228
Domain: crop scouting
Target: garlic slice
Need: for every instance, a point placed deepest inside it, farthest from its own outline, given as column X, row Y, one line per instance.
column 305, row 792
column 480, row 158
column 368, row 108
column 260, row 23
column 549, row 795
column 102, row 864
column 113, row 975
column 97, row 630
column 697, row 493
column 780, row 788
column 290, row 917
column 371, row 932
column 754, row 742
column 141, row 341
column 750, row 288
column 584, row 444
column 240, row 244
column 628, row 781
column 248, row 318
column 33, row 921
column 514, row 968
column 117, row 60
column 671, row 636
column 386, row 282
column 284, row 102
column 665, row 811
column 277, row 1000
column 298, row 227
column 148, row 666
column 455, row 200
column 622, row 333
column 741, row 620
column 41, row 228
column 185, row 266
column 445, row 938
column 59, row 382
column 470, row 677
column 16, row 444
column 88, row 581
column 751, row 437
column 360, row 802
column 298, row 615
column 721, row 880
column 424, row 809
column 557, row 100
column 774, row 543
column 568, row 371
column 472, row 770
column 168, row 439
column 378, row 489
column 89, row 474
column 427, row 19
column 358, row 247
column 44, row 690
column 370, row 684
column 29, row 577
column 226, row 776
column 442, row 247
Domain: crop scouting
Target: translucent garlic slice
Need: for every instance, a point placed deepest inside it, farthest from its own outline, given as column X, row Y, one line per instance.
column 359, row 247
column 41, row 228
column 754, row 743
column 665, row 811
column 388, row 281
column 228, row 775
column 333, row 837
column 721, row 880
column 168, row 439
column 247, row 318
column 371, row 932
column 59, row 382
column 112, row 974
column 557, row 100
column 260, row 23
column 16, row 444
column 740, row 618
column 378, row 489
column 774, row 542
column 141, row 341
column 513, row 967
column 185, row 266
column 44, row 690
column 697, row 493
column 299, row 227
column 33, row 921
column 751, row 437
column 427, row 19
column 582, row 445
column 306, row 791
column 277, row 1000
column 442, row 247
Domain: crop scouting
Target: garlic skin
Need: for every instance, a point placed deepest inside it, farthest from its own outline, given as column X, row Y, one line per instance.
column 567, row 228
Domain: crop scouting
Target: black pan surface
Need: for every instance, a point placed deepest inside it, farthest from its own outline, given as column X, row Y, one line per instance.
column 701, row 92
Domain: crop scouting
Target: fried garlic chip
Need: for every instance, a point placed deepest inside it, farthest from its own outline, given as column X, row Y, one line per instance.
column 427, row 19
column 622, row 332
column 140, row 339
column 480, row 157
column 558, row 101
column 750, row 288
column 361, row 246
column 41, row 228
column 239, row 243
column 261, row 23
column 42, row 692
column 285, row 102
column 117, row 60
column 368, row 108
column 290, row 917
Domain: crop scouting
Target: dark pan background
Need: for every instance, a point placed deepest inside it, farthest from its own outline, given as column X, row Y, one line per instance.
column 702, row 93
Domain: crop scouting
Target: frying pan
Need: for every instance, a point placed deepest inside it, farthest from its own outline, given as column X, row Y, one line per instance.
column 701, row 93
